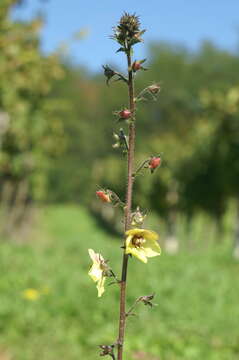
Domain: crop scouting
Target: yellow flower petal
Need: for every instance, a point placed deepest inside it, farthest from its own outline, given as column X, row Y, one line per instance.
column 151, row 248
column 146, row 234
column 137, row 252
column 100, row 286
column 94, row 256
column 134, row 231
column 95, row 272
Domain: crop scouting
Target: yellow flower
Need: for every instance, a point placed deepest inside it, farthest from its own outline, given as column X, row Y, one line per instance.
column 98, row 271
column 142, row 244
column 31, row 294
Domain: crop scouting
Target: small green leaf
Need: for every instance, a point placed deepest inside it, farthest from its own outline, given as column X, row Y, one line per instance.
column 121, row 49
column 142, row 61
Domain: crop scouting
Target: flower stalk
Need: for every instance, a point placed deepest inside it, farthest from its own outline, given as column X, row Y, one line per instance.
column 129, row 190
column 138, row 242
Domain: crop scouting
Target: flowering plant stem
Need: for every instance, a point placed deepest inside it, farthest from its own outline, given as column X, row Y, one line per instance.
column 129, row 190
column 139, row 242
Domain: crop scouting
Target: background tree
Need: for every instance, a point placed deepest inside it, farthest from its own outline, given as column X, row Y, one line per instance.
column 32, row 132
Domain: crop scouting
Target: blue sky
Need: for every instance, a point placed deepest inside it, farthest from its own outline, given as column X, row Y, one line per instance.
column 188, row 22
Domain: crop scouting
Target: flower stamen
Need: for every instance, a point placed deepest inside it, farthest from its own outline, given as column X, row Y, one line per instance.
column 138, row 241
column 142, row 244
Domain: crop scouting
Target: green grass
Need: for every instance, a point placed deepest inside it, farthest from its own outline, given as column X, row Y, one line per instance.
column 196, row 292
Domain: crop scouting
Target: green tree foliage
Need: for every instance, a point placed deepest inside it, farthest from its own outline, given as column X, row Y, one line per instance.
column 30, row 129
column 192, row 129
column 213, row 168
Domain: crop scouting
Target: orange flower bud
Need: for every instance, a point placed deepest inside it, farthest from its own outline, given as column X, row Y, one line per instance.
column 154, row 162
column 103, row 196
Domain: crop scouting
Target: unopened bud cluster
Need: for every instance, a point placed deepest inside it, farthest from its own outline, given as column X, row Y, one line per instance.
column 127, row 33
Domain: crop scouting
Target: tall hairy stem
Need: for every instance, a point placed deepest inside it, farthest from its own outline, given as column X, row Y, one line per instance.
column 129, row 189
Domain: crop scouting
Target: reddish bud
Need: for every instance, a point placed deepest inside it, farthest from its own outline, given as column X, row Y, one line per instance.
column 125, row 114
column 136, row 66
column 103, row 196
column 154, row 162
